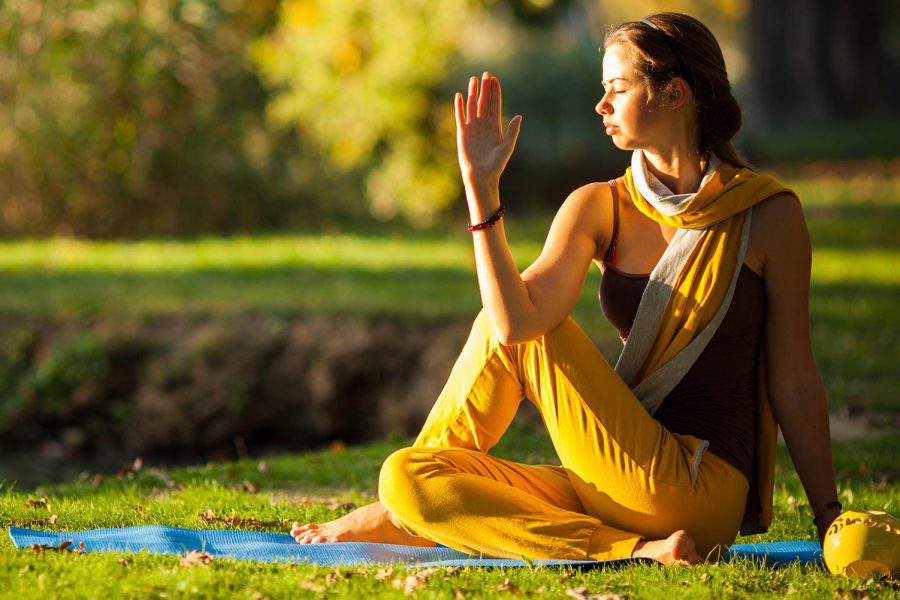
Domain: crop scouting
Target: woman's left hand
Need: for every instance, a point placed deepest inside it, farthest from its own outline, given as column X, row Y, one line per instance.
column 482, row 146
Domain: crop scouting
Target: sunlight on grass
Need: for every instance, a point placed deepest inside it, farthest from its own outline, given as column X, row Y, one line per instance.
column 879, row 267
column 287, row 489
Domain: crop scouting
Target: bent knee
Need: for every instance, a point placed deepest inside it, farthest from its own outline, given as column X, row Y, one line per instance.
column 398, row 488
column 407, row 485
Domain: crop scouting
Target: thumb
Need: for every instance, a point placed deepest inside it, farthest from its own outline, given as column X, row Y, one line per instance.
column 512, row 131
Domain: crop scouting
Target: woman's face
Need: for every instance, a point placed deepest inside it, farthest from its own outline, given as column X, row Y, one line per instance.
column 631, row 120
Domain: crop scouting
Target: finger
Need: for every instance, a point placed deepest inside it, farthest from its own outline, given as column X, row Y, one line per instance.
column 472, row 101
column 484, row 96
column 496, row 101
column 513, row 129
column 459, row 111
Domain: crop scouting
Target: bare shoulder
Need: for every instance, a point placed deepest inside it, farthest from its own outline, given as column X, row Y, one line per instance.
column 779, row 225
column 589, row 210
column 779, row 210
column 597, row 192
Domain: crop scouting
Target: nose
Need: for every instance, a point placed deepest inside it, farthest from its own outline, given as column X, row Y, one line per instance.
column 603, row 107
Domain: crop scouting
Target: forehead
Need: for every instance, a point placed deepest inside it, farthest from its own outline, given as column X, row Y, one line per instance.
column 616, row 64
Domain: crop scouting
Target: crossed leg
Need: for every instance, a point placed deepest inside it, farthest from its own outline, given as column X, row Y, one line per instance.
column 621, row 466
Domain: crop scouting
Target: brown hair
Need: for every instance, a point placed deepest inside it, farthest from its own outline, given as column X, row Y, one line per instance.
column 662, row 46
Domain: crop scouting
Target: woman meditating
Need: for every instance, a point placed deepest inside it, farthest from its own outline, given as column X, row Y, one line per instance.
column 706, row 276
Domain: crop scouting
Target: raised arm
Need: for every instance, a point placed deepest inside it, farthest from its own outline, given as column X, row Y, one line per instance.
column 521, row 306
column 795, row 387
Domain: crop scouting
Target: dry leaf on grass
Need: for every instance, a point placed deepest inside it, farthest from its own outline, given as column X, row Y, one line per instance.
column 506, row 586
column 134, row 468
column 39, row 503
column 195, row 558
column 233, row 520
column 33, row 522
column 329, row 503
column 39, row 548
column 311, row 586
column 340, row 575
column 582, row 593
column 411, row 583
column 249, row 487
column 384, row 573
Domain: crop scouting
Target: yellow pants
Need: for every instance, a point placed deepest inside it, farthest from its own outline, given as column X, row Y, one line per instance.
column 623, row 478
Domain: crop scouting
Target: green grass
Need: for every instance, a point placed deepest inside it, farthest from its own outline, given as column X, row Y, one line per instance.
column 853, row 219
column 309, row 486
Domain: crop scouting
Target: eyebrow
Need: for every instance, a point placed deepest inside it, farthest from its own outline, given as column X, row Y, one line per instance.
column 609, row 81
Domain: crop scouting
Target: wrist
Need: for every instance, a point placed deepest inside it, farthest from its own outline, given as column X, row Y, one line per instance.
column 483, row 202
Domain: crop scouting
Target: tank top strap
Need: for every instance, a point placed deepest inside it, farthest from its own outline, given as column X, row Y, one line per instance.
column 610, row 257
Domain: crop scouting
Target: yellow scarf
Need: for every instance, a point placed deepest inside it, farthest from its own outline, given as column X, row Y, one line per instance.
column 701, row 287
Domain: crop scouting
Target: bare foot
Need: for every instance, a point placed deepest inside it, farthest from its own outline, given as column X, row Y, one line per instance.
column 677, row 549
column 370, row 523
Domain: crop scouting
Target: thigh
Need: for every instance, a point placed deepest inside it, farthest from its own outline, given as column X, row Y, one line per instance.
column 548, row 483
column 617, row 455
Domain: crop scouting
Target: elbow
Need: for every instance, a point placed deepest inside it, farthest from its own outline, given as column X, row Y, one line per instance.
column 510, row 334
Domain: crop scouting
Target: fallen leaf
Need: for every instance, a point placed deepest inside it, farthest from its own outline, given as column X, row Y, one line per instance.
column 125, row 562
column 384, row 573
column 52, row 519
column 311, row 586
column 506, row 586
column 39, row 503
column 411, row 583
column 250, row 488
column 340, row 575
column 39, row 548
column 195, row 558
column 208, row 516
column 582, row 593
column 262, row 467
column 133, row 468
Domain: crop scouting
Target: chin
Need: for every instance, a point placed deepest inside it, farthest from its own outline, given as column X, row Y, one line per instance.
column 624, row 144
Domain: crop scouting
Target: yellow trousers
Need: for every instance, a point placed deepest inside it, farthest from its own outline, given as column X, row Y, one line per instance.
column 624, row 477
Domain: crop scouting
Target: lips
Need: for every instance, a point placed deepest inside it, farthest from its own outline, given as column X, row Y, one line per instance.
column 611, row 129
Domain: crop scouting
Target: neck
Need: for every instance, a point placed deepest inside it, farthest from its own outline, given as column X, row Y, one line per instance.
column 679, row 169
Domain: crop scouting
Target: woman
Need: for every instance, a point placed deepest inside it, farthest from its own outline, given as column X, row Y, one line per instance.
column 670, row 453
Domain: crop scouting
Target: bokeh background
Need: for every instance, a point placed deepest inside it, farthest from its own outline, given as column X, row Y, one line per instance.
column 236, row 225
column 135, row 118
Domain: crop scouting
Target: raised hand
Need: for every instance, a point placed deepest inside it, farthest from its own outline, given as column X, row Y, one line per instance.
column 482, row 146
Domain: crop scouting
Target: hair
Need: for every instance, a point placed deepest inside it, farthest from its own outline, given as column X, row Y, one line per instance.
column 661, row 47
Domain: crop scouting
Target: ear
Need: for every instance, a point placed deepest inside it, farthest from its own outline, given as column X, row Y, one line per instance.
column 679, row 92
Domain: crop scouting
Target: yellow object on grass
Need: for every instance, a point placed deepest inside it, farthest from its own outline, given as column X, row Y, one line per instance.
column 860, row 543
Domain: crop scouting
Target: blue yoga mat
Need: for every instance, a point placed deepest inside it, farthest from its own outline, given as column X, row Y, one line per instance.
column 277, row 547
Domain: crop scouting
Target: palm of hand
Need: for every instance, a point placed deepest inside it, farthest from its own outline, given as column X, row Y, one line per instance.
column 482, row 146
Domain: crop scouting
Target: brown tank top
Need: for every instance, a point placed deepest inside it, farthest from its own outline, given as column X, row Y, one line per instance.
column 717, row 398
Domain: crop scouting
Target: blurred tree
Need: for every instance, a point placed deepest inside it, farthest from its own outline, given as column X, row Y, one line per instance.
column 814, row 60
column 359, row 78
column 127, row 117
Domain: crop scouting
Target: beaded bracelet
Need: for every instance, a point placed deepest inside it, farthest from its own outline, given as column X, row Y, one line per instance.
column 489, row 222
column 821, row 513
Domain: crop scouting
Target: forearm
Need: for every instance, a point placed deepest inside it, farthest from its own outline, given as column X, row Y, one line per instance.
column 504, row 294
column 804, row 423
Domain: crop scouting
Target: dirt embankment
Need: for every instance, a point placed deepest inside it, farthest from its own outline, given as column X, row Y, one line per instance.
column 203, row 385
column 192, row 385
